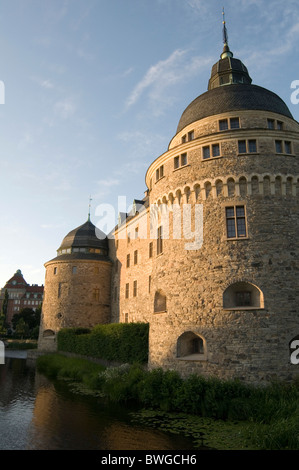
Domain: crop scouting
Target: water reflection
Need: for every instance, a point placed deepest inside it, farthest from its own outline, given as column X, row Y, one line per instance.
column 36, row 414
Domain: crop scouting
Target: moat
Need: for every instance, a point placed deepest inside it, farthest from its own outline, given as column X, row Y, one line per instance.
column 39, row 414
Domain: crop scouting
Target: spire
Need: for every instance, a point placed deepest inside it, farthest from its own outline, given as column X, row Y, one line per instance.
column 89, row 206
column 226, row 52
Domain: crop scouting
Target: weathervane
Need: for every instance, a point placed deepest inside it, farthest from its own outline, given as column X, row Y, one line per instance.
column 225, row 35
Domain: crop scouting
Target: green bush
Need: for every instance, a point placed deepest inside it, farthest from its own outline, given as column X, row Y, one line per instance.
column 119, row 342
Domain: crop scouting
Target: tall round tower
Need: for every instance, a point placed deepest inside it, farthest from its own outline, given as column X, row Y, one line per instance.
column 77, row 284
column 224, row 303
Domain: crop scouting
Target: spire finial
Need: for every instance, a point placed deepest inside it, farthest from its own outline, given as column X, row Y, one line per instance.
column 89, row 206
column 226, row 52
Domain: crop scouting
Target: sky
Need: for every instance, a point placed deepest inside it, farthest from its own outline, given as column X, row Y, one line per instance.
column 93, row 91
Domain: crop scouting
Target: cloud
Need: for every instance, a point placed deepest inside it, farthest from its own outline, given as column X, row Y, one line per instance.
column 65, row 108
column 159, row 78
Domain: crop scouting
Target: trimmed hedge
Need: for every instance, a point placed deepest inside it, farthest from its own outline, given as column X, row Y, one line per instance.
column 119, row 342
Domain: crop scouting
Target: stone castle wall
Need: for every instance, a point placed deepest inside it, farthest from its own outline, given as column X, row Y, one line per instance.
column 77, row 294
column 250, row 342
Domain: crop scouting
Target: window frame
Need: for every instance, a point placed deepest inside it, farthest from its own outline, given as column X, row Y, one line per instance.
column 235, row 217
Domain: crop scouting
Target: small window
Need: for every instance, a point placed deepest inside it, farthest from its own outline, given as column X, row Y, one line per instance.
column 242, row 146
column 183, row 159
column 126, row 318
column 243, row 299
column 135, row 257
column 135, row 289
column 128, row 261
column 184, row 139
column 279, row 125
column 150, row 250
column 236, row 222
column 215, row 150
column 252, row 146
column 288, row 147
column 159, row 302
column 243, row 294
column 96, row 294
column 127, row 290
column 149, row 284
column 159, row 240
column 191, row 135
column 55, row 271
column 223, row 124
column 160, row 172
column 271, row 123
column 278, row 146
column 206, row 152
column 234, row 123
column 176, row 162
column 74, row 269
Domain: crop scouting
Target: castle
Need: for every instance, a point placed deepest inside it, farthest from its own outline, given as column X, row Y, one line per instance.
column 209, row 257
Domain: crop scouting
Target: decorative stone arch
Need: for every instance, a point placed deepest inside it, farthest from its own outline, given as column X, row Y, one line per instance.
column 289, row 185
column 160, row 302
column 231, row 186
column 208, row 189
column 243, row 186
column 191, row 347
column 219, row 187
column 178, row 196
column 266, row 185
column 278, row 185
column 255, row 187
column 243, row 295
column 187, row 194
column 197, row 190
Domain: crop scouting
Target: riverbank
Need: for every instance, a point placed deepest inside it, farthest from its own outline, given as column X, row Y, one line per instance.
column 215, row 414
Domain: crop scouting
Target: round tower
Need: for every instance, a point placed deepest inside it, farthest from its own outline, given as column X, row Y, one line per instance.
column 77, row 284
column 223, row 302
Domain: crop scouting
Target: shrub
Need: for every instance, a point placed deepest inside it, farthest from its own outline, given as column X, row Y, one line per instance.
column 119, row 342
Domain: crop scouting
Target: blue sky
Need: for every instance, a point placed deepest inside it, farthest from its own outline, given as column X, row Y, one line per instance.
column 94, row 90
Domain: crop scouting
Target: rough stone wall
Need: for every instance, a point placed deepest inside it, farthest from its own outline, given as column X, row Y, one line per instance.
column 250, row 343
column 77, row 297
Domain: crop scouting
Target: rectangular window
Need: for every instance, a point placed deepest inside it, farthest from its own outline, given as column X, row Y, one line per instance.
column 242, row 146
column 135, row 256
column 159, row 241
column 191, row 135
column 271, row 123
column 279, row 125
column 278, row 146
column 127, row 291
column 234, row 123
column 136, row 233
column 128, row 261
column 215, row 150
column 183, row 159
column 74, row 269
column 55, row 271
column 236, row 222
column 252, row 146
column 160, row 172
column 96, row 294
column 206, row 152
column 288, row 147
column 150, row 250
column 176, row 162
column 126, row 318
column 149, row 283
column 184, row 139
column 223, row 125
column 135, row 289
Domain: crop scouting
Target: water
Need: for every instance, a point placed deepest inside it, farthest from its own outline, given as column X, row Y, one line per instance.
column 38, row 414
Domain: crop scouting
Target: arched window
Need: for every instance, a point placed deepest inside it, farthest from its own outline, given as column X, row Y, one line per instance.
column 191, row 347
column 159, row 302
column 243, row 295
column 48, row 334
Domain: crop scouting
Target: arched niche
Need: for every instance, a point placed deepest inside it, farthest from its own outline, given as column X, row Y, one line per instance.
column 243, row 295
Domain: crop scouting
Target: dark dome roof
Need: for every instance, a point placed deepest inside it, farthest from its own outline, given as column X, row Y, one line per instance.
column 233, row 97
column 85, row 236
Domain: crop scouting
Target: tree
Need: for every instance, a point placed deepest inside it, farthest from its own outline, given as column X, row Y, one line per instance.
column 3, row 312
column 31, row 320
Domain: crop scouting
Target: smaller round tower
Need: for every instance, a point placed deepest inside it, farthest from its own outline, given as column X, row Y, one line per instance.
column 77, row 285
